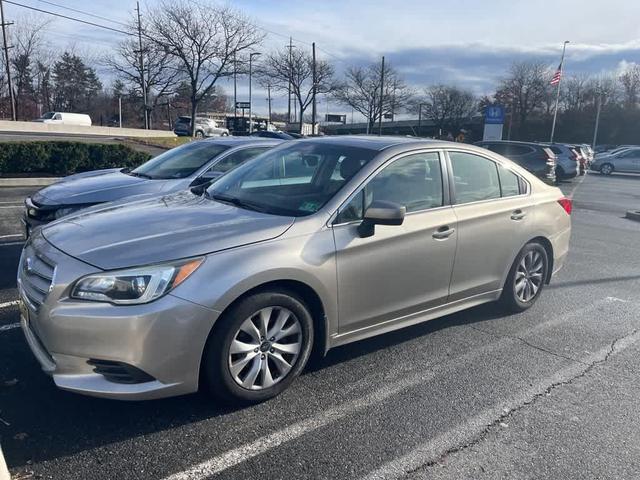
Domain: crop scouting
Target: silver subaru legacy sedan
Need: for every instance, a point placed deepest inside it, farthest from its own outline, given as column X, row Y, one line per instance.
column 310, row 245
column 191, row 165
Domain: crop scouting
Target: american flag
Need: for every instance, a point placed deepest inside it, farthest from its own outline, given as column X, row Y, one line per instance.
column 557, row 76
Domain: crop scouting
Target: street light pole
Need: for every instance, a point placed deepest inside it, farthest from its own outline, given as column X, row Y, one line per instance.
column 251, row 55
column 419, row 117
column 120, row 111
column 595, row 130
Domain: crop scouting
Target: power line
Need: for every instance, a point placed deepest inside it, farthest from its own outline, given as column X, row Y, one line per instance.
column 69, row 18
column 83, row 12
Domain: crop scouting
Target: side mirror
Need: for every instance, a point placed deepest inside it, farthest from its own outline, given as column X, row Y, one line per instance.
column 381, row 213
column 200, row 184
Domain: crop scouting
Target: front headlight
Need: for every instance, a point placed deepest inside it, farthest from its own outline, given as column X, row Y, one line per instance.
column 135, row 285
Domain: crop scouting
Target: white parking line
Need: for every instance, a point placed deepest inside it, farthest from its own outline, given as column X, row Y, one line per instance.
column 9, row 304
column 8, row 244
column 11, row 326
column 11, row 206
column 468, row 431
column 250, row 450
column 13, row 235
column 4, row 471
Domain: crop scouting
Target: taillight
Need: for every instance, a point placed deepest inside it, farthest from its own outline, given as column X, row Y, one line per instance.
column 551, row 157
column 567, row 204
column 575, row 155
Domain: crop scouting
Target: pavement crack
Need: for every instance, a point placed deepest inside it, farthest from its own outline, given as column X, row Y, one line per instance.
column 529, row 344
column 509, row 412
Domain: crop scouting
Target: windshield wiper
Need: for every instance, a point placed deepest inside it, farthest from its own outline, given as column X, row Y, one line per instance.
column 141, row 175
column 236, row 202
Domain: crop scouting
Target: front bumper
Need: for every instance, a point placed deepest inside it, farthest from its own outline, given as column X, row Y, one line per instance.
column 164, row 339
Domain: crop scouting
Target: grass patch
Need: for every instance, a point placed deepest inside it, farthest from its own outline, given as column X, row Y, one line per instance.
column 161, row 142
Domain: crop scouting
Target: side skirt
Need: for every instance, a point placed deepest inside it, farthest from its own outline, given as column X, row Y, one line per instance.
column 413, row 319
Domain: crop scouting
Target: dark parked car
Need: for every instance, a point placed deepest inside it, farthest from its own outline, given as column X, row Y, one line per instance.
column 536, row 158
column 271, row 134
column 190, row 165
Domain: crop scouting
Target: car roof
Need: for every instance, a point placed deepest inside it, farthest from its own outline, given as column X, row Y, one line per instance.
column 512, row 142
column 240, row 141
column 374, row 142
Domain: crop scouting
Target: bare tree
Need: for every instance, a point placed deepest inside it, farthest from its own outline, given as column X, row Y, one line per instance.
column 525, row 88
column 160, row 76
column 448, row 107
column 203, row 39
column 27, row 40
column 630, row 81
column 282, row 69
column 574, row 92
column 361, row 91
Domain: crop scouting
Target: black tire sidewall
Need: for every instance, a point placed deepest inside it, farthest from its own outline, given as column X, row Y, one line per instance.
column 509, row 297
column 602, row 168
column 215, row 367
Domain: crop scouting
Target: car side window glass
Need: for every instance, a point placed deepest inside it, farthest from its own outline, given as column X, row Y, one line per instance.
column 509, row 182
column 236, row 158
column 475, row 177
column 414, row 181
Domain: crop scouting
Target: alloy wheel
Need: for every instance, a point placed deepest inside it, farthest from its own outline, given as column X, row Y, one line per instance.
column 606, row 169
column 529, row 276
column 265, row 348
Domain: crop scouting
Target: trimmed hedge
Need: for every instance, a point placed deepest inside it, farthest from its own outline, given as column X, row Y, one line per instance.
column 65, row 158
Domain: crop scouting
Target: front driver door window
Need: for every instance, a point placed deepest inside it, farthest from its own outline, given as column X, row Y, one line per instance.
column 400, row 270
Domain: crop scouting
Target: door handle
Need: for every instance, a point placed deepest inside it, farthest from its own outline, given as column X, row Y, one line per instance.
column 518, row 215
column 443, row 233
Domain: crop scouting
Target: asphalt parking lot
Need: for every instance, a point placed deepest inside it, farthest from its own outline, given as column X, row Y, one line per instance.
column 549, row 393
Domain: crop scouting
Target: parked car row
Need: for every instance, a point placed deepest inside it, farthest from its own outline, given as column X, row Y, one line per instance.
column 551, row 162
column 226, row 272
column 624, row 159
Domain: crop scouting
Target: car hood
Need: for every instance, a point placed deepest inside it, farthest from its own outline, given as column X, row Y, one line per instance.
column 95, row 187
column 160, row 229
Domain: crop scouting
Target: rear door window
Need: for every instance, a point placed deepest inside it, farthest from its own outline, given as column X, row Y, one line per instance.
column 509, row 182
column 475, row 178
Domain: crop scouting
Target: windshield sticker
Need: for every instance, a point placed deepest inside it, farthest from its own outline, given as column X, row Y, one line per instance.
column 309, row 206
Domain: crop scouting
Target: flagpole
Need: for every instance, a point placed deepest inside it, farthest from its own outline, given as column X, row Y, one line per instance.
column 555, row 111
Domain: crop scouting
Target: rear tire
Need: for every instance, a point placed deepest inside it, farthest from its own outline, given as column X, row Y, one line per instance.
column 606, row 169
column 526, row 278
column 231, row 377
column 199, row 134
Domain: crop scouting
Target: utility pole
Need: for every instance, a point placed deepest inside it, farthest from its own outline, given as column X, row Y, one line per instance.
column 251, row 55
column 313, row 88
column 269, row 103
column 555, row 112
column 7, row 63
column 235, row 87
column 419, row 117
column 120, row 111
column 290, row 74
column 381, row 97
column 142, row 80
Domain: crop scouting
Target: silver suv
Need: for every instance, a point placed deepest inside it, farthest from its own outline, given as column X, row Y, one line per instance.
column 205, row 127
column 311, row 245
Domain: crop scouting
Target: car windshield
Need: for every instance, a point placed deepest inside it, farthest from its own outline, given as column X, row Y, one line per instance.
column 180, row 162
column 48, row 115
column 295, row 180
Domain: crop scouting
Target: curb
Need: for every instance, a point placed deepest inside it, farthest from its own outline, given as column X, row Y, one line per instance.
column 4, row 471
column 27, row 182
column 633, row 215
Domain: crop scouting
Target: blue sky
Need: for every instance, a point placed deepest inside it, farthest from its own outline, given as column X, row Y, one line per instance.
column 469, row 43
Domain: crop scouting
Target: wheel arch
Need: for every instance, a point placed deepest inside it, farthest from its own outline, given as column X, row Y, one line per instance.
column 304, row 292
column 546, row 243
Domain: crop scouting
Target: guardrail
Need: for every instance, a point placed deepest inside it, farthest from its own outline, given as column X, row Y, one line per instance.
column 36, row 128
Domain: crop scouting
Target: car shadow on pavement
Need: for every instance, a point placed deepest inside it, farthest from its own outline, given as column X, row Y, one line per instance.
column 46, row 423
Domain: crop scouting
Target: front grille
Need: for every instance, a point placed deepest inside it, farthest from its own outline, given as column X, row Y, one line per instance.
column 118, row 372
column 36, row 276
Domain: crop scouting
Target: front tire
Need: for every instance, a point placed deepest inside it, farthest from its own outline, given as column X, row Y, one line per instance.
column 606, row 169
column 526, row 278
column 199, row 134
column 258, row 347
